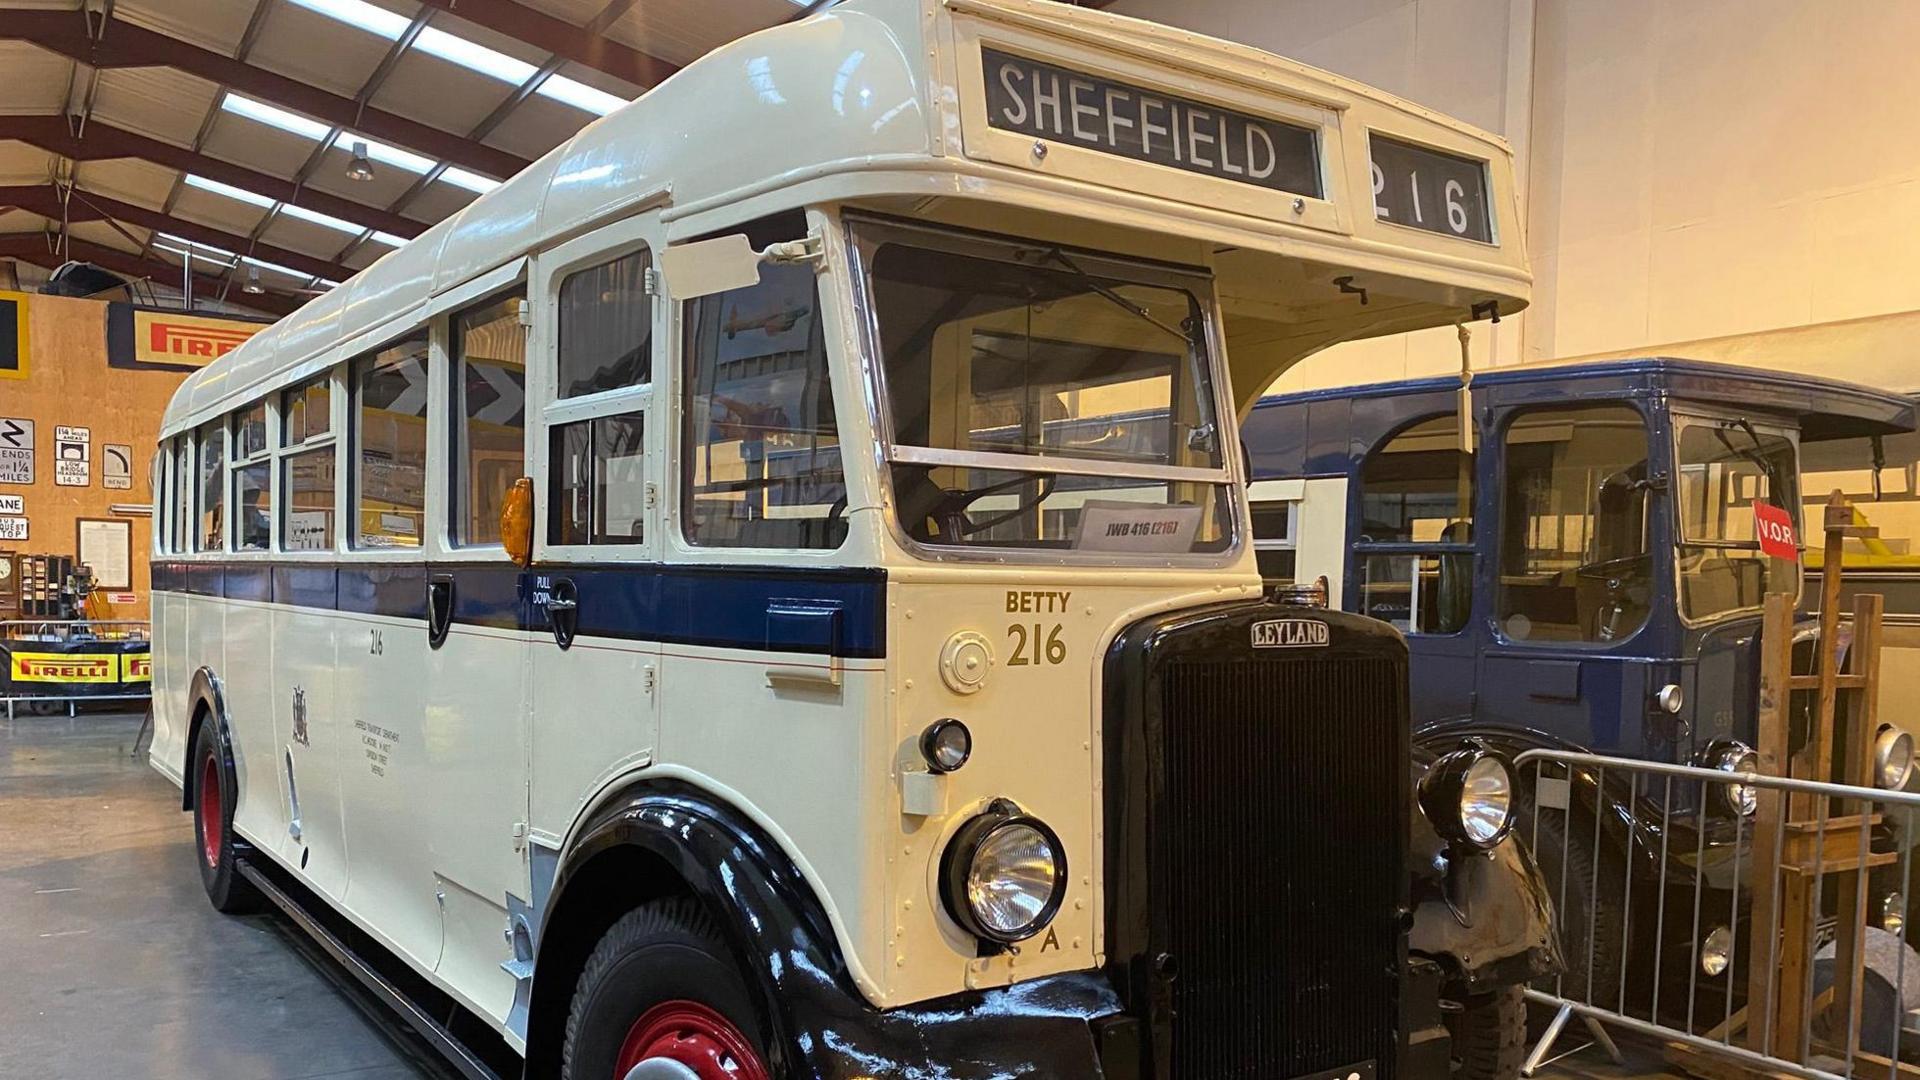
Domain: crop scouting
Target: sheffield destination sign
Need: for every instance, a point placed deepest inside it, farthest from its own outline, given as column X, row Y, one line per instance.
column 1066, row 106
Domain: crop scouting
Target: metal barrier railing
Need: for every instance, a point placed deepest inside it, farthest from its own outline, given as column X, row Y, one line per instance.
column 24, row 635
column 1647, row 860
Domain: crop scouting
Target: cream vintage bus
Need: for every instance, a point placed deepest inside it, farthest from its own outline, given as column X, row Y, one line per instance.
column 767, row 592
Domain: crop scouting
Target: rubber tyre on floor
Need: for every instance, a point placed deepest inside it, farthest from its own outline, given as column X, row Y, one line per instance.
column 214, row 844
column 1490, row 1035
column 1572, row 914
column 661, row 983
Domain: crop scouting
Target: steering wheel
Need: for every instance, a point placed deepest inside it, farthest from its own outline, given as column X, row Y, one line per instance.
column 951, row 510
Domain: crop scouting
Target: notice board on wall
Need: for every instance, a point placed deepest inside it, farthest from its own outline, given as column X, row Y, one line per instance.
column 105, row 545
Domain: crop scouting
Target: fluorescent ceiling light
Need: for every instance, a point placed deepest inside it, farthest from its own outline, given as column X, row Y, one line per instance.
column 318, row 218
column 196, row 245
column 389, row 239
column 275, row 267
column 419, row 165
column 473, row 182
column 580, row 95
column 468, row 54
column 274, row 116
column 198, row 252
column 231, row 192
column 377, row 20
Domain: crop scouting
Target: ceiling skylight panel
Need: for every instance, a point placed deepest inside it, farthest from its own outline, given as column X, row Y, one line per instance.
column 228, row 190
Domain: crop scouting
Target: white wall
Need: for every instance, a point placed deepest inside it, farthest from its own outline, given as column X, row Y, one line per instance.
column 1734, row 179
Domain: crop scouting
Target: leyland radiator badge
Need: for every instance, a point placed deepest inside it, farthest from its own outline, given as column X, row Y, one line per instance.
column 1289, row 634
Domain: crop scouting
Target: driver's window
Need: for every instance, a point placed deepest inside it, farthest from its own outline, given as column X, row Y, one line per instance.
column 1574, row 556
column 761, row 455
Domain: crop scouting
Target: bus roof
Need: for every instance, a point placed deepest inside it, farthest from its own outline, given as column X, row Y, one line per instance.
column 884, row 103
column 1825, row 408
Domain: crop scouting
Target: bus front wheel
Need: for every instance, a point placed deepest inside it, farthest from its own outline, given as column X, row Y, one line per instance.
column 661, row 986
column 214, row 844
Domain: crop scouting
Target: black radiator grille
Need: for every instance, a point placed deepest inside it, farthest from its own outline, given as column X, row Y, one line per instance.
column 1282, row 866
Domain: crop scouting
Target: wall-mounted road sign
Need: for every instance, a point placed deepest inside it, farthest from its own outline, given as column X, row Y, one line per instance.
column 72, row 456
column 16, row 451
column 116, row 466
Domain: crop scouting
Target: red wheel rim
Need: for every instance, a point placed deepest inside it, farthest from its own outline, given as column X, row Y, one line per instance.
column 693, row 1035
column 211, row 813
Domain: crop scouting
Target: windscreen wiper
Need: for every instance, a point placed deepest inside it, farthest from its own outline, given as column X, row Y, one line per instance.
column 1107, row 292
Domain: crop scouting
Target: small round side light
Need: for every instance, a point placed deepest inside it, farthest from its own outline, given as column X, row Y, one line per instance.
column 946, row 744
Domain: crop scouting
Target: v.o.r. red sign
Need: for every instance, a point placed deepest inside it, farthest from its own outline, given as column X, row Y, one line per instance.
column 1774, row 527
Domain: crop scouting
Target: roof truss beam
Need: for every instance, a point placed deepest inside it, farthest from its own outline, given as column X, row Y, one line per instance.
column 122, row 44
column 41, row 249
column 584, row 45
column 46, row 201
column 102, row 142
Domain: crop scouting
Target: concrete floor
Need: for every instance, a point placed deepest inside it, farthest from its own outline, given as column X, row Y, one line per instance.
column 114, row 965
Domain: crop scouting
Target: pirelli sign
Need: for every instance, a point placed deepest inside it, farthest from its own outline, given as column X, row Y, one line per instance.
column 34, row 667
column 75, row 669
column 170, row 340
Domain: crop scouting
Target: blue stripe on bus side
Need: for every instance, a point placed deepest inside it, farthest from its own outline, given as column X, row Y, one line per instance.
column 840, row 612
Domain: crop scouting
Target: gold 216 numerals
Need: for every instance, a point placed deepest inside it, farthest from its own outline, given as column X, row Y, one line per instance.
column 1034, row 649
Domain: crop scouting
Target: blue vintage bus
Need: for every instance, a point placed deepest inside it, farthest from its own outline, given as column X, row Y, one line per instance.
column 1578, row 569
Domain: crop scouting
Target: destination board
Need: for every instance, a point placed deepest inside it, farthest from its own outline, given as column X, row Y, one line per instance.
column 1062, row 105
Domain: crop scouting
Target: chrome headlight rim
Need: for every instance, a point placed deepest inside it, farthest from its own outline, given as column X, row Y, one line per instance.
column 1444, row 790
column 1734, row 756
column 957, row 866
column 1893, row 745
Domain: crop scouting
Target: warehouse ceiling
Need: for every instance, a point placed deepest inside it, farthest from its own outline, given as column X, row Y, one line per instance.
column 135, row 134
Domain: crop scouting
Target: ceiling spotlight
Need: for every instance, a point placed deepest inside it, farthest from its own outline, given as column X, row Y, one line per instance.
column 359, row 168
column 253, row 287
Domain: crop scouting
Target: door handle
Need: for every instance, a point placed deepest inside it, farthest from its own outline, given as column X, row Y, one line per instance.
column 439, row 608
column 563, row 611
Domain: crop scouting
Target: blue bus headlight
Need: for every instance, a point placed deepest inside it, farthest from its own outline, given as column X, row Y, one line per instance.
column 1734, row 756
column 1892, row 758
column 1004, row 874
column 1468, row 797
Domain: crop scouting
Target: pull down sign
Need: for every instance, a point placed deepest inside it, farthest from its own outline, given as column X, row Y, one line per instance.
column 1062, row 105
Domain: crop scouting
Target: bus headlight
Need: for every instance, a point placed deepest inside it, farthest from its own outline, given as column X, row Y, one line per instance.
column 1716, row 953
column 1734, row 756
column 1468, row 797
column 1892, row 758
column 1004, row 874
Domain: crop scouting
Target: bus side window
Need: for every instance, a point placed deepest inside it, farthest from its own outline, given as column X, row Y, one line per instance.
column 252, row 477
column 1276, row 539
column 598, row 494
column 1416, row 522
column 306, row 482
column 389, row 409
column 183, row 494
column 762, row 447
column 489, row 415
column 211, row 535
column 597, row 485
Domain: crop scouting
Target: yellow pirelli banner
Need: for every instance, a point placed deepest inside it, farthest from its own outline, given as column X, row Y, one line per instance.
column 74, row 669
column 170, row 340
column 42, row 667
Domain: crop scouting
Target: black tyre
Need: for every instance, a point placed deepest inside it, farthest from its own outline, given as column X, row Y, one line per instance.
column 1490, row 1035
column 661, row 984
column 1587, row 907
column 214, row 842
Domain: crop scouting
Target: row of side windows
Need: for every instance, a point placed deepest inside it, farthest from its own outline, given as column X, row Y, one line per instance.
column 760, row 442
